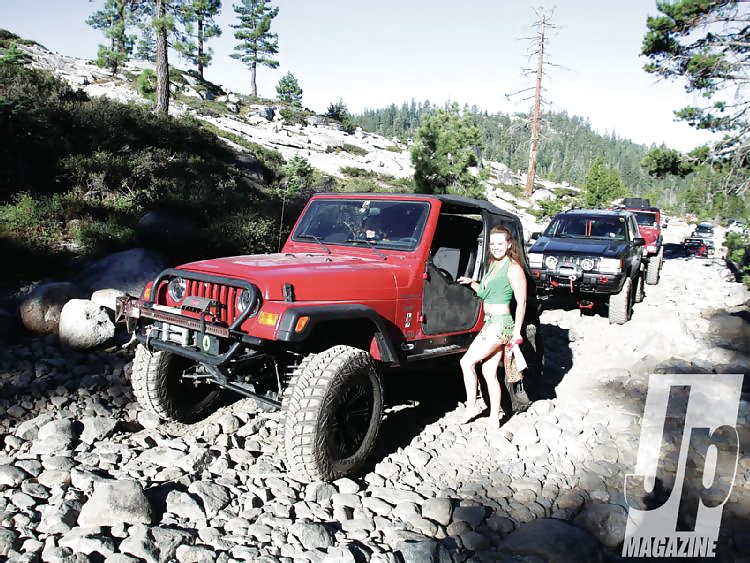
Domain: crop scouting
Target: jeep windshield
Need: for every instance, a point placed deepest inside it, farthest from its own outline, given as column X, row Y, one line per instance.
column 591, row 227
column 387, row 224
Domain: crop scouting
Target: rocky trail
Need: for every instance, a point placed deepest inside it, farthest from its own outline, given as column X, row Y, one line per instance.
column 87, row 475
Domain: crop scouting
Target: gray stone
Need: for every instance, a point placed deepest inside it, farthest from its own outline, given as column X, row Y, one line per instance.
column 184, row 506
column 40, row 310
column 107, row 298
column 114, row 502
column 423, row 551
column 11, row 476
column 96, row 428
column 215, row 497
column 606, row 522
column 472, row 515
column 555, row 541
column 84, row 325
column 8, row 541
column 438, row 510
column 312, row 535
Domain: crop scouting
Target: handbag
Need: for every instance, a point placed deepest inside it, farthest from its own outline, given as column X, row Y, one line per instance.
column 510, row 363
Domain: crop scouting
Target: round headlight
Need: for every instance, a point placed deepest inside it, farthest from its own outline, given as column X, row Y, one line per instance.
column 245, row 300
column 550, row 262
column 177, row 289
column 587, row 264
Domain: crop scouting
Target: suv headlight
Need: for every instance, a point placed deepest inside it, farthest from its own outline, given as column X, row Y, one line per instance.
column 550, row 262
column 536, row 260
column 245, row 300
column 610, row 265
column 176, row 289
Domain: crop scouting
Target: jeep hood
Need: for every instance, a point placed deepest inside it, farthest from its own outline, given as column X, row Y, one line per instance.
column 587, row 247
column 315, row 277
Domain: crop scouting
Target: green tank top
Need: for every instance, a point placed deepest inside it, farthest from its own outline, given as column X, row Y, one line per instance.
column 495, row 288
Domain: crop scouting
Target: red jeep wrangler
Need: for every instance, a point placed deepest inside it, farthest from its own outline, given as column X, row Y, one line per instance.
column 649, row 225
column 364, row 282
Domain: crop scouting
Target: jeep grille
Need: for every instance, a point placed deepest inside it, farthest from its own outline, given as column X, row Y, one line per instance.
column 226, row 295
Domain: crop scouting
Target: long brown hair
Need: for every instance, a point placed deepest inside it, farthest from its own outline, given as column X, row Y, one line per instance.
column 514, row 253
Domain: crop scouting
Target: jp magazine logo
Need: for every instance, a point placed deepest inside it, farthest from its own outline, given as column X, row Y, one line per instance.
column 685, row 467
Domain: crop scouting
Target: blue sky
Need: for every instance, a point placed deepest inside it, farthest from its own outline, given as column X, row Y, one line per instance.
column 372, row 54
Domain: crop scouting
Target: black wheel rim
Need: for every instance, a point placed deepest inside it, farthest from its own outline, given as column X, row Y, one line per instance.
column 352, row 418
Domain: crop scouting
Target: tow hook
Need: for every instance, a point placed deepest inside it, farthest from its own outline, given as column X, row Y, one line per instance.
column 584, row 304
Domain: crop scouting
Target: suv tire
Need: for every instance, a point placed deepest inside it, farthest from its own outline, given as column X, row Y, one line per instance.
column 619, row 304
column 332, row 413
column 654, row 268
column 159, row 387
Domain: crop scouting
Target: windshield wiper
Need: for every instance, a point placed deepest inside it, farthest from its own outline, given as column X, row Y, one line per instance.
column 368, row 243
column 317, row 239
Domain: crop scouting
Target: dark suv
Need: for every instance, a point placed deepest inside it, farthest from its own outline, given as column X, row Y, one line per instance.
column 595, row 255
column 365, row 283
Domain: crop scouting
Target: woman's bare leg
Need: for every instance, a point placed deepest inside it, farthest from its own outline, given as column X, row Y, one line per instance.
column 478, row 350
column 489, row 372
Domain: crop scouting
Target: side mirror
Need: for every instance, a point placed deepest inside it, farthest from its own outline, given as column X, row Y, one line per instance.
column 639, row 241
column 535, row 235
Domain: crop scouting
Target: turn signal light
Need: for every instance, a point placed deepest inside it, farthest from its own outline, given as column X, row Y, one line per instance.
column 268, row 319
column 301, row 324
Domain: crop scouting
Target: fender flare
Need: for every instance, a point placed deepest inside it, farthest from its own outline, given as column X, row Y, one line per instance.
column 317, row 314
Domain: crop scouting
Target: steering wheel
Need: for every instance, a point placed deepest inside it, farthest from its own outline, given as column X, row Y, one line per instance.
column 445, row 273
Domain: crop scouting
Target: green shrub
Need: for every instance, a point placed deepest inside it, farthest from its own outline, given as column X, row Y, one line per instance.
column 392, row 148
column 99, row 237
column 355, row 172
column 145, row 84
column 353, row 149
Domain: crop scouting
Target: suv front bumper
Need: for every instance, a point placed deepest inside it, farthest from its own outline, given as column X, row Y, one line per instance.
column 577, row 281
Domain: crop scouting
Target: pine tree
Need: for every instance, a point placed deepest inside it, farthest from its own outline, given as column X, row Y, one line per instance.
column 257, row 44
column 114, row 20
column 289, row 91
column 446, row 146
column 706, row 44
column 602, row 185
column 197, row 18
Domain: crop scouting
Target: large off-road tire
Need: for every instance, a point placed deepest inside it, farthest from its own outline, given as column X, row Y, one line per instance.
column 640, row 288
column 159, row 387
column 332, row 412
column 654, row 267
column 619, row 304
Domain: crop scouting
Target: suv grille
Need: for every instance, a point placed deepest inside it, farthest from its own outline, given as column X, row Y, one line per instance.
column 226, row 295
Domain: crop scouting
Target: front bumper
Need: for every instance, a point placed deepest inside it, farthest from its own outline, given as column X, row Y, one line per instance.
column 576, row 281
column 195, row 338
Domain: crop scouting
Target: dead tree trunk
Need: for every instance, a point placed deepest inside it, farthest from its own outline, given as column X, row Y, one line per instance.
column 534, row 145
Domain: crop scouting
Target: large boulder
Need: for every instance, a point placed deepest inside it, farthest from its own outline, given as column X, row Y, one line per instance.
column 128, row 271
column 107, row 298
column 85, row 325
column 40, row 310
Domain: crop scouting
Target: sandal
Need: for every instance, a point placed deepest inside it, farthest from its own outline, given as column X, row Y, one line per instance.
column 470, row 413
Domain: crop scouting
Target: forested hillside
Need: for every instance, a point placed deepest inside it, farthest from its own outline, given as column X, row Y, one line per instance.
column 569, row 146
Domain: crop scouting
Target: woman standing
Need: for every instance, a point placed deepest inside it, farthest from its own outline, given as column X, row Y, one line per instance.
column 505, row 279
